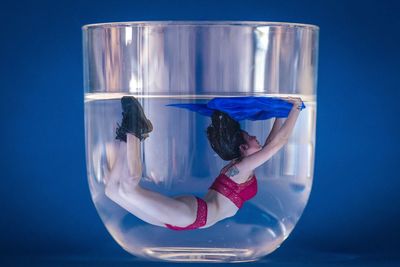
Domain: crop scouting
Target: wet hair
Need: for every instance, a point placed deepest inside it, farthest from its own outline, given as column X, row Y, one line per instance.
column 225, row 136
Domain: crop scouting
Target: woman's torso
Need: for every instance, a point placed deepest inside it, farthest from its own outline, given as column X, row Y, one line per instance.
column 224, row 206
column 219, row 206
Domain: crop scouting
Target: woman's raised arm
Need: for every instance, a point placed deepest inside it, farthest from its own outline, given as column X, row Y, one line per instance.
column 281, row 137
column 275, row 128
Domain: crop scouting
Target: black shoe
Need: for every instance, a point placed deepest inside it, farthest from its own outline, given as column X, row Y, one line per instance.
column 134, row 120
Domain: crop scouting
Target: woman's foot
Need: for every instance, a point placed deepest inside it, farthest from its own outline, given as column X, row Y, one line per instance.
column 134, row 120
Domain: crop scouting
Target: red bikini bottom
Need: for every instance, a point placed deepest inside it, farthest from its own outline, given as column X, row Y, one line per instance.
column 201, row 218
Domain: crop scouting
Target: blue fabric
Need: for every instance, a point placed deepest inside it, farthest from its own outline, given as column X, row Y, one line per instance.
column 243, row 108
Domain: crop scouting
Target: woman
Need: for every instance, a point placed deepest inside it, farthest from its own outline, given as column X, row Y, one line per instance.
column 235, row 184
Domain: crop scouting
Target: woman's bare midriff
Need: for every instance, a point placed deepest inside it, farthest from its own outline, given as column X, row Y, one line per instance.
column 219, row 206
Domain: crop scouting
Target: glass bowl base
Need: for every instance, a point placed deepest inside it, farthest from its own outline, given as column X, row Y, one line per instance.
column 182, row 254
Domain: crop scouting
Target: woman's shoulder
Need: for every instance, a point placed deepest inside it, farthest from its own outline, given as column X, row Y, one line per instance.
column 230, row 165
column 233, row 172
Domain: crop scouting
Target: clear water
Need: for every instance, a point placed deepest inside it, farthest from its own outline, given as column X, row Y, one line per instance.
column 178, row 160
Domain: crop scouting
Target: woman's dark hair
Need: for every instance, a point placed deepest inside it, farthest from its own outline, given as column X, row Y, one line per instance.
column 225, row 136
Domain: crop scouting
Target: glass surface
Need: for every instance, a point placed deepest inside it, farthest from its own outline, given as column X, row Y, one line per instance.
column 161, row 63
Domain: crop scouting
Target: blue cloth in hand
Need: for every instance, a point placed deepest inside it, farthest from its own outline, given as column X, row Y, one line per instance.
column 243, row 108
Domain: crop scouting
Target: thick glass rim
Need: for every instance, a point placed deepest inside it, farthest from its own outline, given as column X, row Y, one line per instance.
column 198, row 23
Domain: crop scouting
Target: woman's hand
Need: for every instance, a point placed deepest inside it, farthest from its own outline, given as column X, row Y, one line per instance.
column 296, row 101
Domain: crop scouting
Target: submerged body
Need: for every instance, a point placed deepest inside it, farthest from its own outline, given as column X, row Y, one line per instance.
column 235, row 184
column 187, row 212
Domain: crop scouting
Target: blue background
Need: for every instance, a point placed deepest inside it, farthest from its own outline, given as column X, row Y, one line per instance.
column 46, row 209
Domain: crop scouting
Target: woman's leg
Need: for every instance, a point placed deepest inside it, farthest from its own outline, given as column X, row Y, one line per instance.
column 137, row 200
column 175, row 211
column 116, row 157
column 133, row 157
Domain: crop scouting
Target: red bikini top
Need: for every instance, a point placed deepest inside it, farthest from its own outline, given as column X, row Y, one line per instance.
column 237, row 193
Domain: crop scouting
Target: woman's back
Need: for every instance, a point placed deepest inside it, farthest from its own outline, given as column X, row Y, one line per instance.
column 225, row 193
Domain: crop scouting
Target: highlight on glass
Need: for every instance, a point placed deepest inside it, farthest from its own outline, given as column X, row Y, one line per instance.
column 200, row 135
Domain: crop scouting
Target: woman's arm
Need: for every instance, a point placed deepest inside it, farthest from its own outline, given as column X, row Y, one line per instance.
column 251, row 162
column 275, row 128
column 285, row 131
